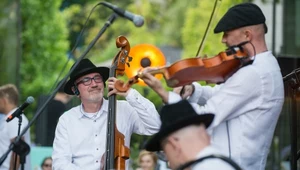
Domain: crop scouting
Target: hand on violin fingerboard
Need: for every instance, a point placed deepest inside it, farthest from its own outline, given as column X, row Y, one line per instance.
column 150, row 79
column 112, row 90
column 155, row 84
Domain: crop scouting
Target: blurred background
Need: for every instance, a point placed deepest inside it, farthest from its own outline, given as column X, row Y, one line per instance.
column 40, row 40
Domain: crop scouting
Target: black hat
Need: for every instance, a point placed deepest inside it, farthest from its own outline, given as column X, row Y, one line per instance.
column 241, row 15
column 174, row 117
column 85, row 67
column 62, row 87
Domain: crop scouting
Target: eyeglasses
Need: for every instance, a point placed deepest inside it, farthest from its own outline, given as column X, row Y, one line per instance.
column 88, row 80
column 47, row 165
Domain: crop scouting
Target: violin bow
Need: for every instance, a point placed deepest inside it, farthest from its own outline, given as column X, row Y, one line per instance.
column 204, row 37
column 208, row 27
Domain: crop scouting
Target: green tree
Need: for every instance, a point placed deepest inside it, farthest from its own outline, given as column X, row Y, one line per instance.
column 45, row 46
column 195, row 24
column 9, row 58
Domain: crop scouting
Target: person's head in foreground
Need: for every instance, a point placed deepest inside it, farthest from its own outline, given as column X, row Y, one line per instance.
column 182, row 134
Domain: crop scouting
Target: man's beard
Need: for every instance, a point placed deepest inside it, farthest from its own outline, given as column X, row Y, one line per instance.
column 95, row 97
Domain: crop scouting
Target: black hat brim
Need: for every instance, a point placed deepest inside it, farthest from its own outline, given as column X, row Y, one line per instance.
column 154, row 143
column 103, row 71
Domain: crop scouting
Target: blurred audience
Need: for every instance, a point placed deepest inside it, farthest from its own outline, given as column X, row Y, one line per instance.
column 47, row 122
column 47, row 163
column 9, row 101
column 147, row 160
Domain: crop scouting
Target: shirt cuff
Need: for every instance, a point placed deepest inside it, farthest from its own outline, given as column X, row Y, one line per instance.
column 133, row 96
column 174, row 97
column 194, row 98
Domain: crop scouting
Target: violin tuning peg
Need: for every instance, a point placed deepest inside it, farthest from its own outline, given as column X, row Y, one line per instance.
column 128, row 64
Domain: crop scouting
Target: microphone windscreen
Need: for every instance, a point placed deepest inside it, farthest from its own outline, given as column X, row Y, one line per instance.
column 30, row 99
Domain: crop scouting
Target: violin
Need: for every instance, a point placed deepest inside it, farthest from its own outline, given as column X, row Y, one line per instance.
column 216, row 69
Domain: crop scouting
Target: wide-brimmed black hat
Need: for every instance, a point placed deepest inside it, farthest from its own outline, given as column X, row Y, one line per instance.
column 241, row 15
column 85, row 67
column 174, row 117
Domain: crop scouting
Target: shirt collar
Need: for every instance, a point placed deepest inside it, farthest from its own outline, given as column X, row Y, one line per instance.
column 103, row 109
column 257, row 56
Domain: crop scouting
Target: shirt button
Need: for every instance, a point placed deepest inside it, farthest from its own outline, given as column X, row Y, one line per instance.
column 96, row 135
column 94, row 120
column 96, row 161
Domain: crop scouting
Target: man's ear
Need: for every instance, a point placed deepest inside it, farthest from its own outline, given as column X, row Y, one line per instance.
column 248, row 35
column 174, row 142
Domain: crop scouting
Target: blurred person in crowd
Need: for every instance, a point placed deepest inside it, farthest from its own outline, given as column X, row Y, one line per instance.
column 47, row 122
column 47, row 163
column 147, row 160
column 9, row 99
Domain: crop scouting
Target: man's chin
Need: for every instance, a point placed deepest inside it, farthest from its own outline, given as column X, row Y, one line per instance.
column 96, row 98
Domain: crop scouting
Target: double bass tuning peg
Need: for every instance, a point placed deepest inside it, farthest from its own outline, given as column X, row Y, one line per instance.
column 129, row 59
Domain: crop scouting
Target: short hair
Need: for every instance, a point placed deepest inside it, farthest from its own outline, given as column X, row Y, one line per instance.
column 152, row 154
column 10, row 92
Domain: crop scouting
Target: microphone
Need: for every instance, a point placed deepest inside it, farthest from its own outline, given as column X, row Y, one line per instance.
column 19, row 111
column 136, row 19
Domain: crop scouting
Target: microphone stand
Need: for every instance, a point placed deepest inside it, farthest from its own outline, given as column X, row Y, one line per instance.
column 17, row 141
column 293, row 81
column 22, row 153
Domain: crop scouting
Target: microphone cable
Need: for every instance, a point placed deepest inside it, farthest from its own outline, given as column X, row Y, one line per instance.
column 73, row 49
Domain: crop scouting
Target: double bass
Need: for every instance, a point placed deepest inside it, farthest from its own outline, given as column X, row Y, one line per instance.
column 116, row 152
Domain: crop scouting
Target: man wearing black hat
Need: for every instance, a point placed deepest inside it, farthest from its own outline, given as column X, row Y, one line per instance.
column 184, row 139
column 248, row 104
column 80, row 136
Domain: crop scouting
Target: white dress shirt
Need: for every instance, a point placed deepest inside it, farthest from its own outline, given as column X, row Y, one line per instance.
column 80, row 140
column 211, row 163
column 8, row 131
column 246, row 108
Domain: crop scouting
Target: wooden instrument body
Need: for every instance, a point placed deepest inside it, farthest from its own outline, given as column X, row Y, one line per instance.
column 116, row 152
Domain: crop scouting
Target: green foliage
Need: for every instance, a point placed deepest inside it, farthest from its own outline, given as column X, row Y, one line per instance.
column 45, row 46
column 9, row 42
column 196, row 21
